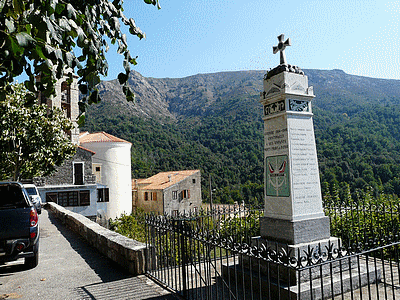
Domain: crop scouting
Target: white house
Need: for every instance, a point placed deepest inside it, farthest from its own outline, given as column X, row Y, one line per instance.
column 111, row 164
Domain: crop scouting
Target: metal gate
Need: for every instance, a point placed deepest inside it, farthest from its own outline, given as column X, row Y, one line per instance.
column 202, row 256
column 186, row 259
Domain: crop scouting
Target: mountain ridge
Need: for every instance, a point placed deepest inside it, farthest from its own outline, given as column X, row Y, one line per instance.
column 197, row 94
column 213, row 122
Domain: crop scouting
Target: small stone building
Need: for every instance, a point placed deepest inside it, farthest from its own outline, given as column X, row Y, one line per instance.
column 168, row 192
column 72, row 185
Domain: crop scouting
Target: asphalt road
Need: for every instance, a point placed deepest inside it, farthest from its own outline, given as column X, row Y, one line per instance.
column 70, row 269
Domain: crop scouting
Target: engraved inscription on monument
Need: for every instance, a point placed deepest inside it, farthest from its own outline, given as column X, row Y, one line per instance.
column 276, row 140
column 304, row 167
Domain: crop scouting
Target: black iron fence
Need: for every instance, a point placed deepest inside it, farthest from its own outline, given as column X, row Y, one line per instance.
column 217, row 255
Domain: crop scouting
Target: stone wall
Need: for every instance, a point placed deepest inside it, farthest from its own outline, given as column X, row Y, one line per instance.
column 65, row 173
column 126, row 252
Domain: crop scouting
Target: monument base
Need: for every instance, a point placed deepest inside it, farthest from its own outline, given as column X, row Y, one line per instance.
column 325, row 287
column 296, row 256
column 304, row 271
column 295, row 232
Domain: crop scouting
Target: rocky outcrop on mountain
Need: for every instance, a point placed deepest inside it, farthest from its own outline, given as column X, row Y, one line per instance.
column 203, row 94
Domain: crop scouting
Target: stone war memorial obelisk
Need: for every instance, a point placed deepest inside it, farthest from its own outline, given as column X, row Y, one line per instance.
column 294, row 223
column 293, row 212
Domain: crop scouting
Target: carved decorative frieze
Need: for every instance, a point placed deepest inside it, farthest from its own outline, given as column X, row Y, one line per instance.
column 299, row 105
column 274, row 108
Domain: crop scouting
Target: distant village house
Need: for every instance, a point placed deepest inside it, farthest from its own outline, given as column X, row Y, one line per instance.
column 168, row 192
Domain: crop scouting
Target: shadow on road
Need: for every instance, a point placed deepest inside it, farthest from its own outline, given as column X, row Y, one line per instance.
column 131, row 288
column 8, row 269
column 115, row 281
column 105, row 268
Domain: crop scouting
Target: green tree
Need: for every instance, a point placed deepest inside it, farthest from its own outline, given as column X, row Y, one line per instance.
column 33, row 138
column 42, row 37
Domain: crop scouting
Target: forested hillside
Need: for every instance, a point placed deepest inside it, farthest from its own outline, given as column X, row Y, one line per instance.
column 213, row 122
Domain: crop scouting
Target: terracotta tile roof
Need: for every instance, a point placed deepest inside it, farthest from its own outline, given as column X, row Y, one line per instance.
column 162, row 180
column 99, row 137
column 86, row 149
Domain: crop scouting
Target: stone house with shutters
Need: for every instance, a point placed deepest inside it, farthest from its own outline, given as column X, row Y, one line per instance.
column 97, row 180
column 168, row 192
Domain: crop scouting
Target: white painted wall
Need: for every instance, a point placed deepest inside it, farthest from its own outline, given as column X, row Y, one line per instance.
column 115, row 160
column 90, row 210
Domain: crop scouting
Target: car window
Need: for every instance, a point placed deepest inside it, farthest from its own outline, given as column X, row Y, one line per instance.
column 11, row 196
column 31, row 190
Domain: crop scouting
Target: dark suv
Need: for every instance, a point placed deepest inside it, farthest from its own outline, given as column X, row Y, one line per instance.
column 19, row 229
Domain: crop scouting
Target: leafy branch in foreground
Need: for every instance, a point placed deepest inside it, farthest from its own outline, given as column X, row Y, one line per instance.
column 40, row 37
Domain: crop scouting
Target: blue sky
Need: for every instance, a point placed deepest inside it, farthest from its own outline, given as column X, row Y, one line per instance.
column 189, row 37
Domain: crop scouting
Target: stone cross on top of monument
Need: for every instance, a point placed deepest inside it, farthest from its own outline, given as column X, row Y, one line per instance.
column 281, row 47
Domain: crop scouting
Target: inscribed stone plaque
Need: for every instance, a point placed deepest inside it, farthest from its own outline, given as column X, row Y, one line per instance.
column 276, row 136
column 306, row 192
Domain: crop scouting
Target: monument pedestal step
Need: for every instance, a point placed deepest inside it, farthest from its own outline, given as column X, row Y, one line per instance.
column 295, row 232
column 336, row 282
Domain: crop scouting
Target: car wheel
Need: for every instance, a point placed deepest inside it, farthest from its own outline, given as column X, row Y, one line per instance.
column 32, row 262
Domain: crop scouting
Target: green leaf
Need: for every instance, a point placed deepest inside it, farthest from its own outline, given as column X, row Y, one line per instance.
column 123, row 37
column 94, row 97
column 28, row 28
column 10, row 26
column 16, row 49
column 126, row 65
column 39, row 52
column 64, row 24
column 122, row 78
column 116, row 23
column 81, row 37
column 19, row 7
column 83, row 88
column 93, row 79
column 58, row 54
column 71, row 12
column 53, row 32
column 59, row 8
column 130, row 96
column 24, row 39
column 81, row 120
column 82, row 104
column 48, row 49
column 70, row 58
column 2, row 3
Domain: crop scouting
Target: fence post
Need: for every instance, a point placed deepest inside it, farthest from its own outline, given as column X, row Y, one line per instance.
column 184, row 256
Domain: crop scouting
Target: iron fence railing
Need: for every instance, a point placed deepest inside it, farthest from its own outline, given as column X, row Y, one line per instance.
column 218, row 255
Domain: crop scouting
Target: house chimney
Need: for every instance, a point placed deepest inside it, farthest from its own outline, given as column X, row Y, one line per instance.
column 169, row 178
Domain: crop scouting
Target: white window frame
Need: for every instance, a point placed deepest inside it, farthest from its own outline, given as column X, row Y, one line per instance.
column 94, row 165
